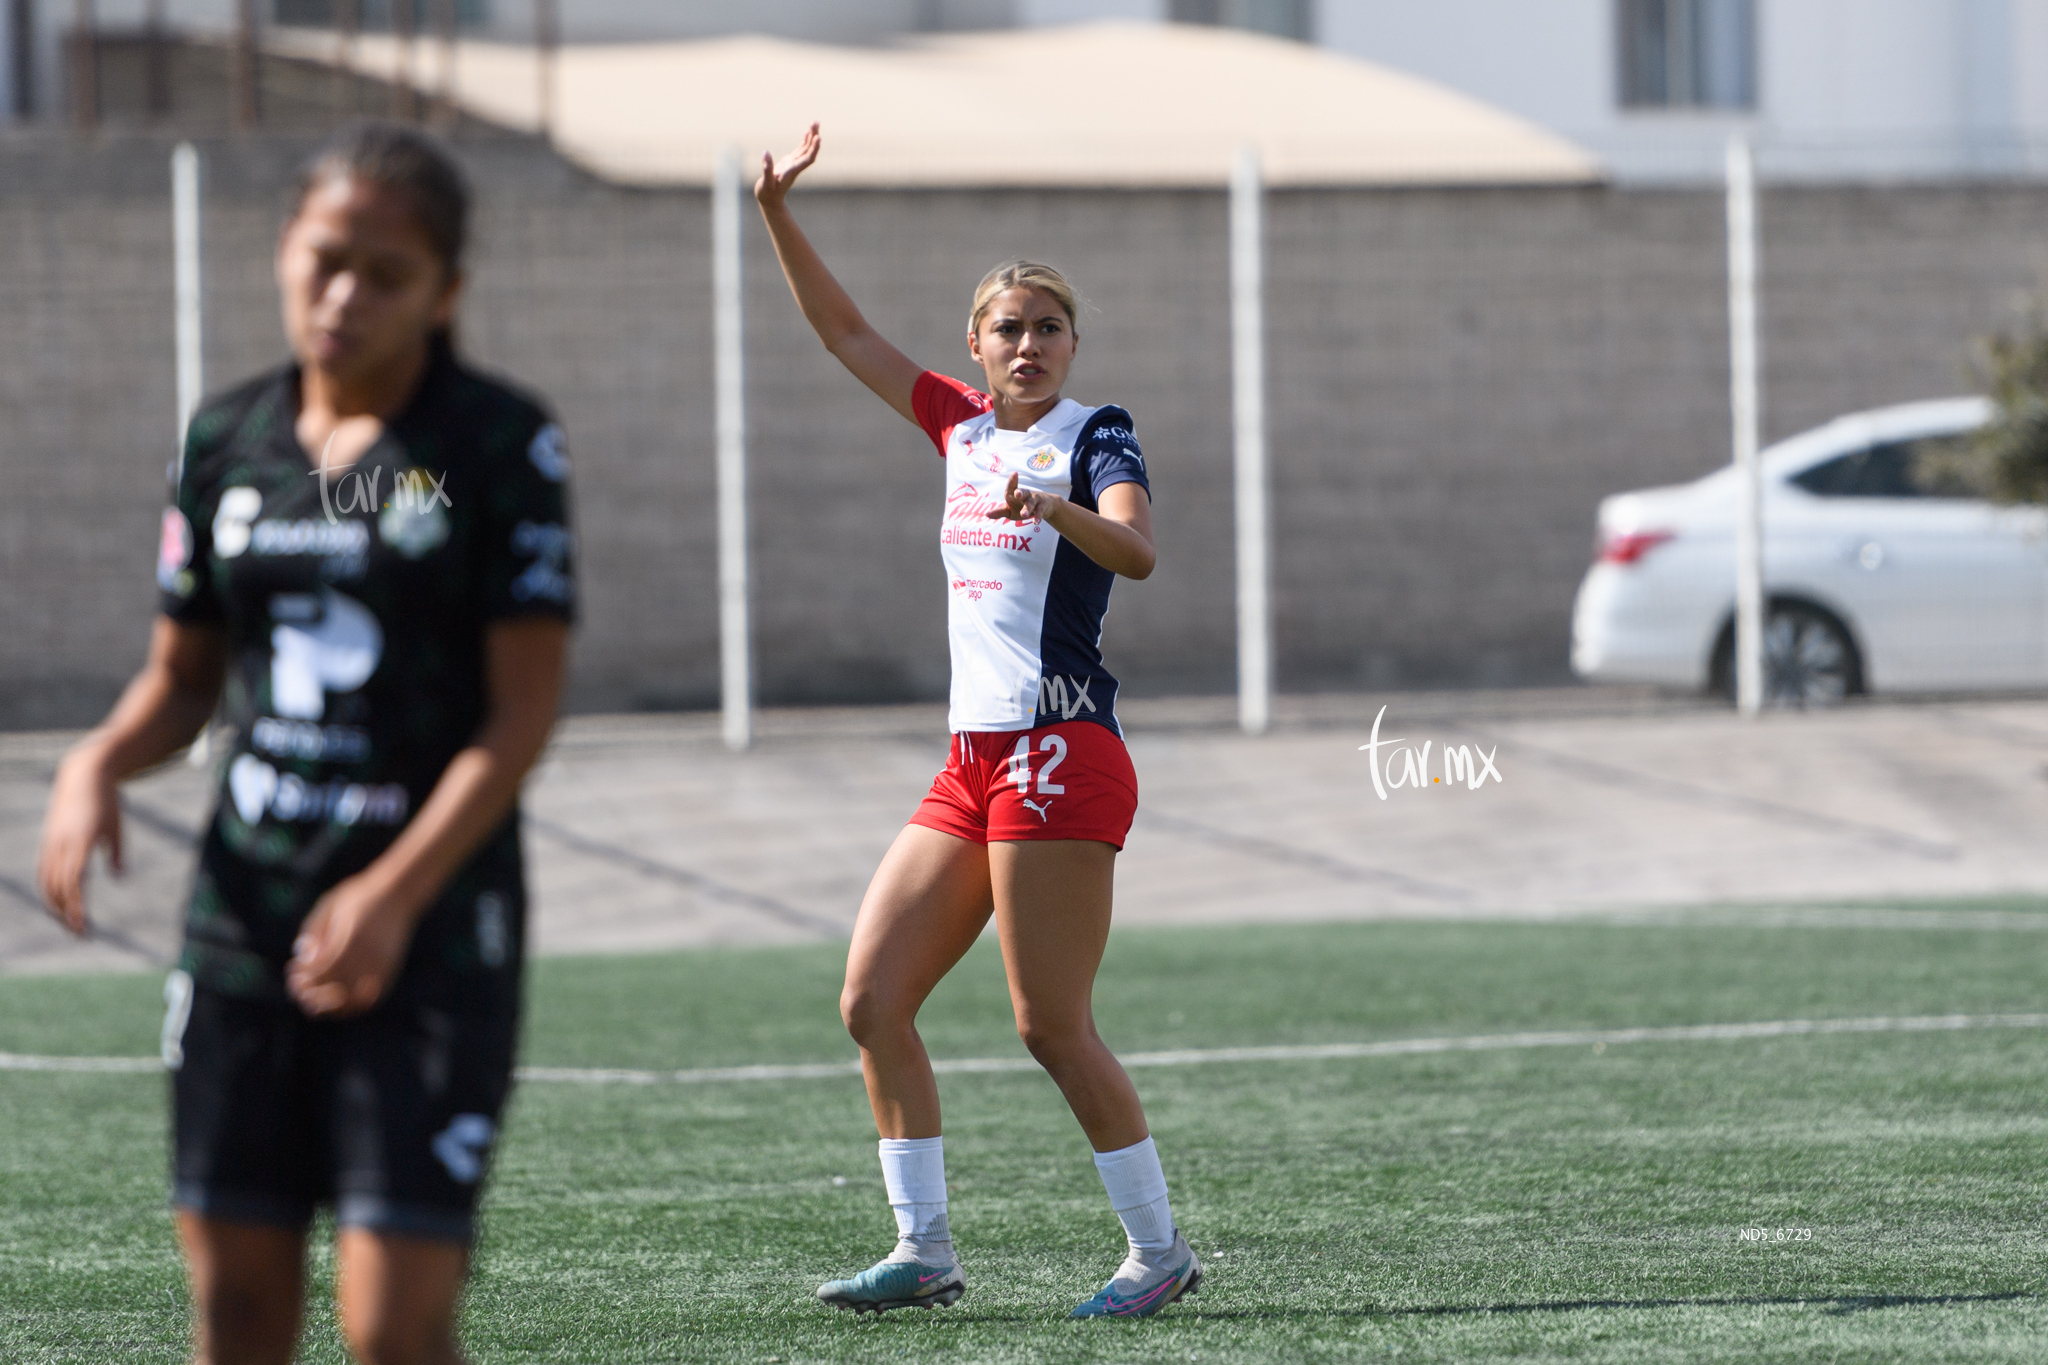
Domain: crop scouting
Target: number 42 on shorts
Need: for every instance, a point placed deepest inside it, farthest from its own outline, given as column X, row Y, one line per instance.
column 1020, row 765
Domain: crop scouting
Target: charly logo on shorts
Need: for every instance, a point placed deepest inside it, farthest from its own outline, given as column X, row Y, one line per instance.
column 1043, row 460
column 463, row 1145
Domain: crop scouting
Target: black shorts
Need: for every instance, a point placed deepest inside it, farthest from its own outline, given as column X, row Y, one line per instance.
column 389, row 1116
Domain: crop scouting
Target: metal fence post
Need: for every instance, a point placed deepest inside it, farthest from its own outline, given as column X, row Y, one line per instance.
column 186, row 274
column 735, row 665
column 1743, row 408
column 1248, row 407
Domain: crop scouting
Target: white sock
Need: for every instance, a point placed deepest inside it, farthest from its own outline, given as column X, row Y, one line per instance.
column 1137, row 1191
column 914, row 1170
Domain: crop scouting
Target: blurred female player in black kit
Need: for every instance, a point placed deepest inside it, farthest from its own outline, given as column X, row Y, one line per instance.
column 366, row 563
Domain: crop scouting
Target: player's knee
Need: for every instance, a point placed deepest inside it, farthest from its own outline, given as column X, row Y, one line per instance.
column 868, row 1014
column 1052, row 1042
column 390, row 1343
column 227, row 1304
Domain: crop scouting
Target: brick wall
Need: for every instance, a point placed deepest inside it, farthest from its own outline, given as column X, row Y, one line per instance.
column 1457, row 377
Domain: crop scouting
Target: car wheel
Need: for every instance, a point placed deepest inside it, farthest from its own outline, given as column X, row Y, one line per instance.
column 1809, row 659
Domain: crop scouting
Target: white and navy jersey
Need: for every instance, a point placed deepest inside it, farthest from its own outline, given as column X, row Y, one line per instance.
column 1024, row 611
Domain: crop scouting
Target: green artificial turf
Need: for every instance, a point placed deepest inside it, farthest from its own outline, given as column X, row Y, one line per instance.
column 1561, row 1203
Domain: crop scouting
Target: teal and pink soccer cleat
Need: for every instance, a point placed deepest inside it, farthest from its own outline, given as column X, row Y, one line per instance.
column 1139, row 1291
column 896, row 1284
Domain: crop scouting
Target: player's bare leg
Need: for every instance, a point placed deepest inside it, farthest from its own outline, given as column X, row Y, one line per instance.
column 924, row 908
column 1052, row 907
column 397, row 1295
column 1052, row 911
column 248, row 1282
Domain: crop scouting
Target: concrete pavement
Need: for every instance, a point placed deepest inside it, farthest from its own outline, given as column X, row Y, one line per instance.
column 644, row 832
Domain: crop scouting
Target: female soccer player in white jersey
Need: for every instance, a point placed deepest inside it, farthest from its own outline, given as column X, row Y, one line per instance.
column 1046, row 501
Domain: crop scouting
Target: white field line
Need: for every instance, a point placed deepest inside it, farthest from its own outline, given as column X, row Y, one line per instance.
column 1399, row 1047
column 11, row 1061
column 1730, row 917
column 1819, row 917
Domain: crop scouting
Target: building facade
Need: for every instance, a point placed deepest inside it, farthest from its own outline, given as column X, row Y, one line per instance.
column 1843, row 90
column 1828, row 90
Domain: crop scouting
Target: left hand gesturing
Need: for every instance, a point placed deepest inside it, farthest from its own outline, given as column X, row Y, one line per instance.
column 348, row 951
column 1025, row 504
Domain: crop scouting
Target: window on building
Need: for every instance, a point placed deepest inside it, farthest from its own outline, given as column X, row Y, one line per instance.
column 376, row 14
column 1282, row 18
column 1687, row 54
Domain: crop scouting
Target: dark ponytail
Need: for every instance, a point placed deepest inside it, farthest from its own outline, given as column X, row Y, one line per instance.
column 406, row 159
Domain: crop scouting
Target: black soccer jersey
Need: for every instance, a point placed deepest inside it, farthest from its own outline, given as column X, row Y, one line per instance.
column 354, row 606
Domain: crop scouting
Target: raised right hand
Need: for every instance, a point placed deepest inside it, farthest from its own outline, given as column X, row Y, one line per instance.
column 85, row 812
column 778, row 176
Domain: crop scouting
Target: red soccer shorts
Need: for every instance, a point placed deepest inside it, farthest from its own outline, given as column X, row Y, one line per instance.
column 1072, row 780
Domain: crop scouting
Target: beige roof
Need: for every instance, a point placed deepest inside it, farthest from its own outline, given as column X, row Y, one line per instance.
column 1108, row 104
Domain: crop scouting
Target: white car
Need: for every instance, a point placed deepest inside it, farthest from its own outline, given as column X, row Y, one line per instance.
column 1870, row 583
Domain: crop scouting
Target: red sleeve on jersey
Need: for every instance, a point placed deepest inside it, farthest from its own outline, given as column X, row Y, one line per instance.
column 942, row 402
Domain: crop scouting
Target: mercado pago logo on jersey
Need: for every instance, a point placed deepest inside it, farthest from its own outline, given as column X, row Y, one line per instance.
column 973, row 588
